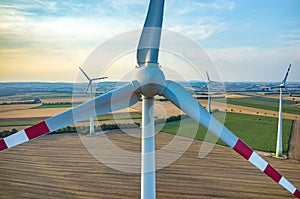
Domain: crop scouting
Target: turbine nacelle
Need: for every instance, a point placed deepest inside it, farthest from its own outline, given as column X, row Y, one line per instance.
column 282, row 85
column 149, row 80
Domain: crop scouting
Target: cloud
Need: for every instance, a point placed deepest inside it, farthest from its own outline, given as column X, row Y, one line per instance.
column 31, row 26
column 293, row 38
column 199, row 20
column 188, row 7
column 52, row 24
column 199, row 30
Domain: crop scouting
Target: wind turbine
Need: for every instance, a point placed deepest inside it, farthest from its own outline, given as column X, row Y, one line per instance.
column 149, row 82
column 90, row 85
column 279, row 132
column 207, row 85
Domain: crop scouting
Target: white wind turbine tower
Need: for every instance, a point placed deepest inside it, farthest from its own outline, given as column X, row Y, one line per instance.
column 149, row 82
column 90, row 86
column 279, row 132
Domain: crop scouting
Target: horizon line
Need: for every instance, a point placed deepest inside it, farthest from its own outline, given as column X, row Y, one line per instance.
column 70, row 82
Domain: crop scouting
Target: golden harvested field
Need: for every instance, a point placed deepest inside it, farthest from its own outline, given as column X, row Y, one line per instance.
column 59, row 166
column 15, row 107
column 70, row 100
column 28, row 113
column 162, row 109
column 228, row 95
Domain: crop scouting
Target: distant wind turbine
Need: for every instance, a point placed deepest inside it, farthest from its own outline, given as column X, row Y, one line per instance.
column 279, row 133
column 90, row 85
column 208, row 86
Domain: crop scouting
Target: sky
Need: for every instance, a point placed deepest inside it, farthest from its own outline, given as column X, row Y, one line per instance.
column 247, row 40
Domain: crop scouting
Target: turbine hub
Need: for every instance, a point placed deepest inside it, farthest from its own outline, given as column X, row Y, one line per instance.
column 151, row 79
column 281, row 85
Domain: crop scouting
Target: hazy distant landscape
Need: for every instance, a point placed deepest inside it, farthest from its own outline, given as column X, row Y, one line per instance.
column 22, row 88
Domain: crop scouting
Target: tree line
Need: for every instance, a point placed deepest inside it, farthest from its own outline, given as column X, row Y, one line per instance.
column 34, row 101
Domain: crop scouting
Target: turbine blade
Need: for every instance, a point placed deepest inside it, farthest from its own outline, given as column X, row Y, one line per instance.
column 148, row 47
column 291, row 95
column 115, row 100
column 183, row 100
column 89, row 85
column 84, row 73
column 98, row 78
column 207, row 77
column 210, row 81
column 286, row 75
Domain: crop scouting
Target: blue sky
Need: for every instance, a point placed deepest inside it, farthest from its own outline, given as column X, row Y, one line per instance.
column 248, row 40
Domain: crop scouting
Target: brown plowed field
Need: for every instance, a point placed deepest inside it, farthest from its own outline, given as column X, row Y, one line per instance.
column 59, row 166
column 294, row 151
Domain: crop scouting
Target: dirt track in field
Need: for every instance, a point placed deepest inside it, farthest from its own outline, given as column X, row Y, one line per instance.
column 294, row 151
column 59, row 166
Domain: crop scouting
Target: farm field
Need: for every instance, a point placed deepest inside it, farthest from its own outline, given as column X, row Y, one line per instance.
column 258, row 132
column 7, row 108
column 248, row 110
column 59, row 166
column 32, row 113
column 238, row 118
column 263, row 102
column 295, row 141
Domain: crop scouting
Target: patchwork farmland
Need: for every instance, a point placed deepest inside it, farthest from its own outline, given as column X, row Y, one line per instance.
column 60, row 166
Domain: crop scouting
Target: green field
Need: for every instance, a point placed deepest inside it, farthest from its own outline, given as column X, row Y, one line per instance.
column 264, row 103
column 53, row 106
column 119, row 116
column 259, row 132
column 51, row 95
column 18, row 123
